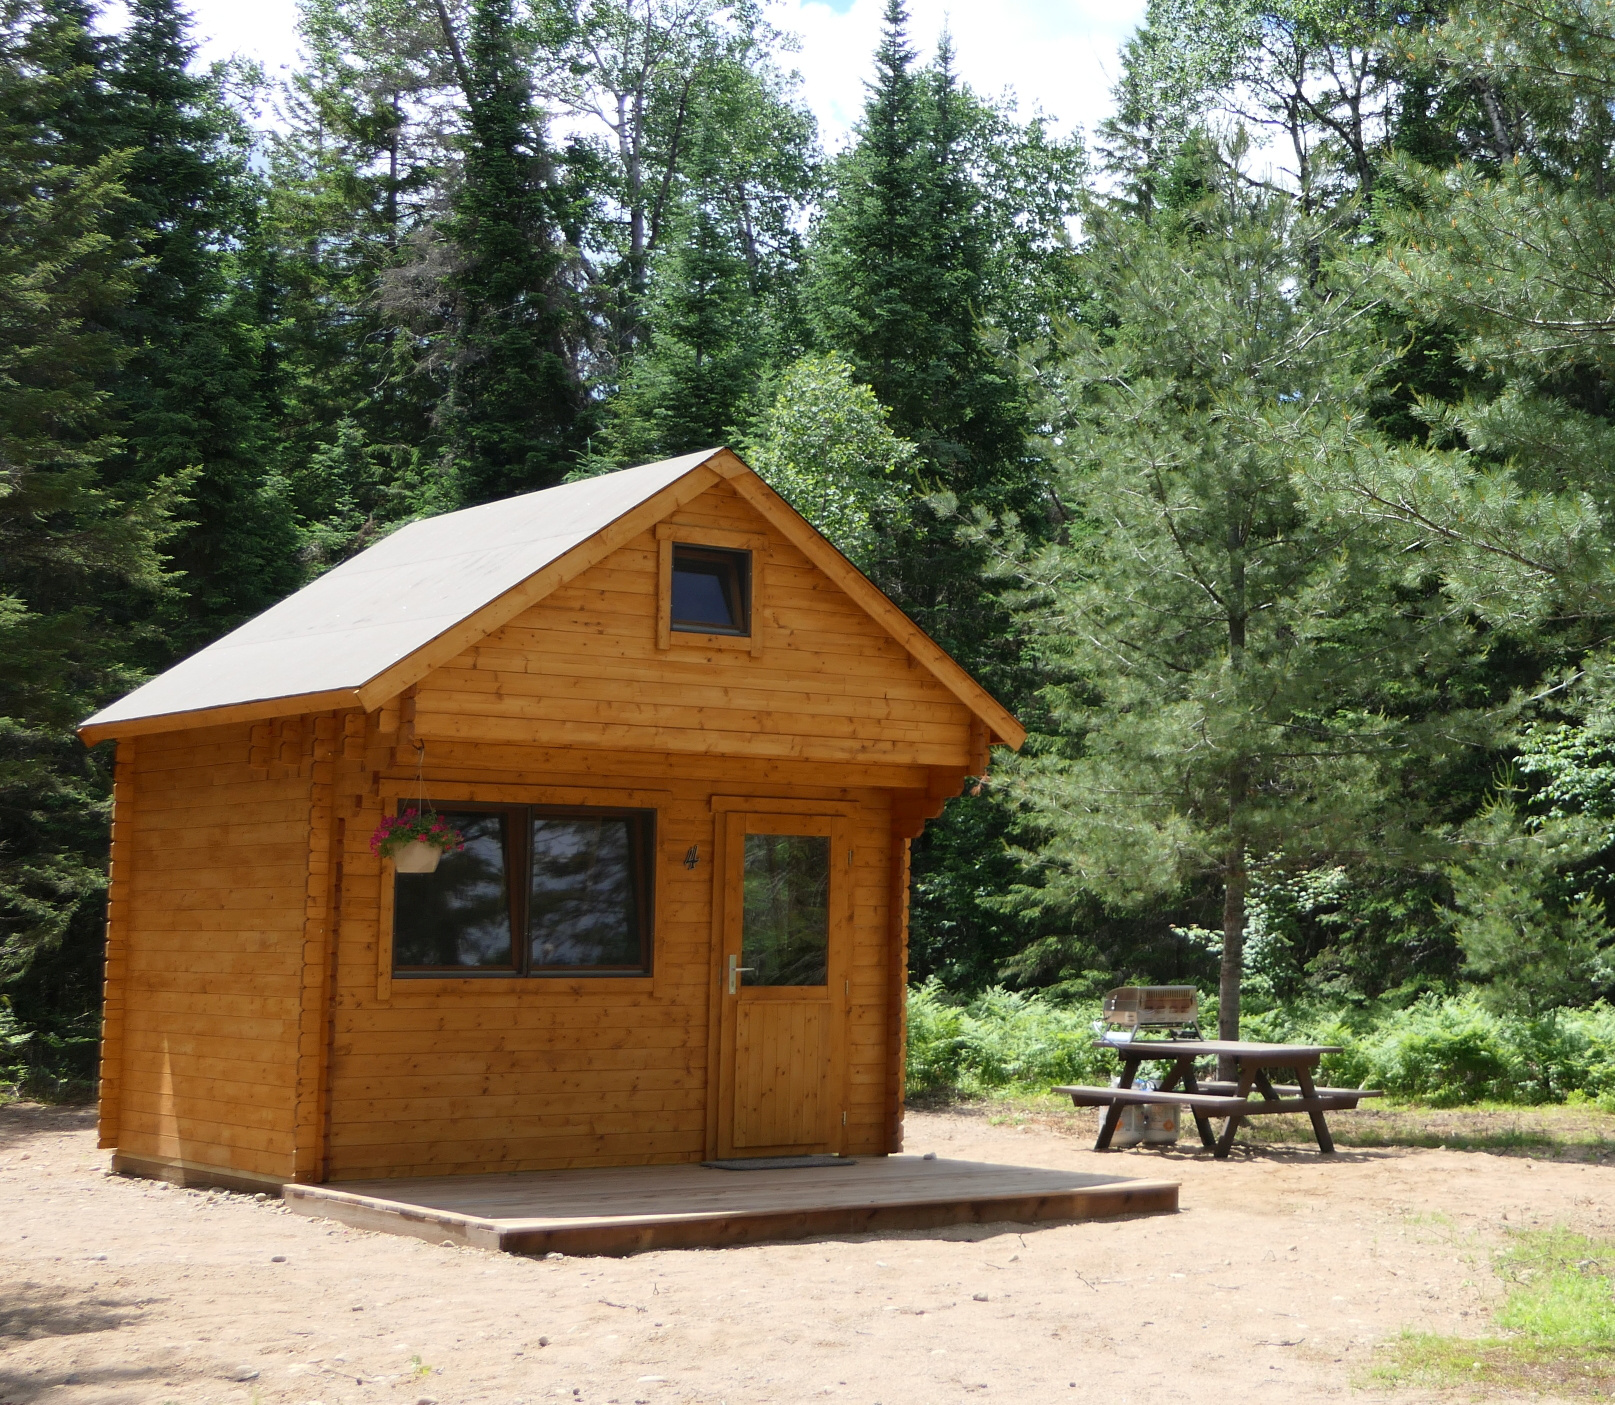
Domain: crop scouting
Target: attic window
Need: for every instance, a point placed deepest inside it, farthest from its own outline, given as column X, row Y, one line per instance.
column 711, row 590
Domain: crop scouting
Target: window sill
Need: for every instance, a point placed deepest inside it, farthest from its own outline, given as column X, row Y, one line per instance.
column 690, row 638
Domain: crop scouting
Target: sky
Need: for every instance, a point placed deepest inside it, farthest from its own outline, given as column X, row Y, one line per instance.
column 1057, row 56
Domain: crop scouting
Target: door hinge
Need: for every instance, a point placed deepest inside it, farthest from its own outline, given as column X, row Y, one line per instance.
column 843, row 1117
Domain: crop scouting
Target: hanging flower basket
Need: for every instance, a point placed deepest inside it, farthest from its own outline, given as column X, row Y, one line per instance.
column 415, row 842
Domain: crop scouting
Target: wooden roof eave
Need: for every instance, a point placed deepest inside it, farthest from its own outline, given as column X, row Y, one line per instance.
column 336, row 699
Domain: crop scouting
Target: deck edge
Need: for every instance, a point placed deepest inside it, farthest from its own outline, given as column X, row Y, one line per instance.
column 391, row 1216
column 630, row 1234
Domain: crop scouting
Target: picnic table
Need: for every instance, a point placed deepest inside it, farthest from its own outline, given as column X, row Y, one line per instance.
column 1252, row 1063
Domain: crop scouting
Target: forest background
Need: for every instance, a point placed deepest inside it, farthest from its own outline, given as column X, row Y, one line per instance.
column 1258, row 451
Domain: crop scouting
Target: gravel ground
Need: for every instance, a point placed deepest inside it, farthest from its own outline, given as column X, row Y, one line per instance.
column 1278, row 1280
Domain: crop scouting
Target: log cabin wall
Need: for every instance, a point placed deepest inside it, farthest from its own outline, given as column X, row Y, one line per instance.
column 577, row 701
column 207, row 940
column 436, row 1075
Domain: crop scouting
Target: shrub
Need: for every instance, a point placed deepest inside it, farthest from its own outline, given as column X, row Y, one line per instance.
column 933, row 1040
column 1444, row 1052
column 1441, row 1050
column 1001, row 1039
column 53, row 1065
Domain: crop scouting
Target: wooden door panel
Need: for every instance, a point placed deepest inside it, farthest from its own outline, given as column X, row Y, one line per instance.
column 782, row 1062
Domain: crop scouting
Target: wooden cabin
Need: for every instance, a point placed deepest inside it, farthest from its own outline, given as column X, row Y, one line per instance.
column 688, row 744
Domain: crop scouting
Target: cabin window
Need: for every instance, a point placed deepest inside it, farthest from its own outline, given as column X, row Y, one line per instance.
column 711, row 590
column 537, row 891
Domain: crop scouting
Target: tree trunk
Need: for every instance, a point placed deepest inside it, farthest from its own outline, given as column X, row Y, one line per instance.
column 1233, row 902
column 456, row 53
column 1233, row 957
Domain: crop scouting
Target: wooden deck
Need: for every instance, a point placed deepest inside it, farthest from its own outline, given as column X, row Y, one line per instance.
column 621, row 1210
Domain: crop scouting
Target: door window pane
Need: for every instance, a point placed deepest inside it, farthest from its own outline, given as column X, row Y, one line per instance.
column 785, row 933
column 584, row 904
column 458, row 916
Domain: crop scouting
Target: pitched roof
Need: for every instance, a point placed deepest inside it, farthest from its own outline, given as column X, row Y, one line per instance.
column 366, row 630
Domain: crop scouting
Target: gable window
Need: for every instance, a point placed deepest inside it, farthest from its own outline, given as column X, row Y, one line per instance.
column 711, row 590
column 538, row 890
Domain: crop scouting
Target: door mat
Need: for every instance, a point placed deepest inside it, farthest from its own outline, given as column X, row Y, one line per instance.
column 778, row 1163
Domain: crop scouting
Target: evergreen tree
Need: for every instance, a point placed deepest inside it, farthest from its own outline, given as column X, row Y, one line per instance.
column 900, row 279
column 190, row 395
column 66, row 541
column 354, row 186
column 1498, row 260
column 944, row 232
column 1222, row 630
column 693, row 379
column 515, row 411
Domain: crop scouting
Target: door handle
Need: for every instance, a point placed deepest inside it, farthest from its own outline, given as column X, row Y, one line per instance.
column 735, row 968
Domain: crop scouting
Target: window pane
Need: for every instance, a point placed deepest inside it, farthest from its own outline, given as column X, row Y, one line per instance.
column 460, row 915
column 709, row 590
column 785, row 933
column 585, row 907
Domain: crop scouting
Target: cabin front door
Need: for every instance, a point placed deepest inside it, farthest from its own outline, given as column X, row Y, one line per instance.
column 783, row 928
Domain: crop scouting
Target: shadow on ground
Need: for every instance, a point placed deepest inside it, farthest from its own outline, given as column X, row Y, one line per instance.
column 23, row 1122
column 31, row 1314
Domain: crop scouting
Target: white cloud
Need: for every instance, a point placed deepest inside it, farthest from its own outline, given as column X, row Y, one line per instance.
column 262, row 29
column 1057, row 55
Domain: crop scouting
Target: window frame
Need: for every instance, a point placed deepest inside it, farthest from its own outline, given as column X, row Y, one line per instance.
column 741, row 564
column 671, row 534
column 519, row 818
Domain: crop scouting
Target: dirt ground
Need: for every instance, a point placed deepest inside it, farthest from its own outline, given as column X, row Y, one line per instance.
column 1276, row 1282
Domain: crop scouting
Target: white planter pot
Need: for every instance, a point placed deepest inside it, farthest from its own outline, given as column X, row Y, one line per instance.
column 417, row 857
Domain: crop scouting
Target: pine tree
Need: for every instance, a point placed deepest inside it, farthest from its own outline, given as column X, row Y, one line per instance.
column 1222, row 628
column 66, row 541
column 190, row 395
column 515, row 412
column 693, row 379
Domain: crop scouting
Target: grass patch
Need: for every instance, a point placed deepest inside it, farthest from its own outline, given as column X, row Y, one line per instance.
column 1556, row 1326
column 1576, row 1132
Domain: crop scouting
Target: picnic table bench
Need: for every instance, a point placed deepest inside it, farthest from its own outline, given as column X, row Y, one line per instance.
column 1220, row 1099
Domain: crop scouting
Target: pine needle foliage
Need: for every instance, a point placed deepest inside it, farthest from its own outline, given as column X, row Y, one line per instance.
column 68, row 539
column 1213, row 623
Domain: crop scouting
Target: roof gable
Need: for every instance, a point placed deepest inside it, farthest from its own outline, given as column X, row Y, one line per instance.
column 373, row 626
column 817, row 679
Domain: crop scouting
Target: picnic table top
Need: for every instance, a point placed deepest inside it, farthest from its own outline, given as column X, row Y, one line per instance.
column 1203, row 1048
